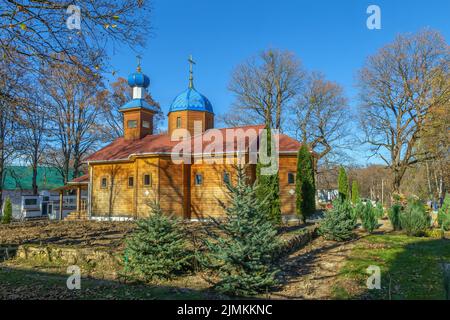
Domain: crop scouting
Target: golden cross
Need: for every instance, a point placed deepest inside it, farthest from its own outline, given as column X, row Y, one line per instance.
column 191, row 72
column 138, row 57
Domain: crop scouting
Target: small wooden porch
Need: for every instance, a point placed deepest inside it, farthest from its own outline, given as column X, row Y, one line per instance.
column 76, row 186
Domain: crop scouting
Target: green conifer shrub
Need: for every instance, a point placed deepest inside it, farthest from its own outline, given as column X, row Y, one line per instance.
column 358, row 209
column 444, row 214
column 369, row 218
column 394, row 216
column 268, row 190
column 343, row 184
column 305, row 185
column 243, row 253
column 7, row 212
column 414, row 219
column 339, row 222
column 355, row 192
column 157, row 248
column 379, row 210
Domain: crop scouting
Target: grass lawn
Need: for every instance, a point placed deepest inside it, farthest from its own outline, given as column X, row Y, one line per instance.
column 411, row 268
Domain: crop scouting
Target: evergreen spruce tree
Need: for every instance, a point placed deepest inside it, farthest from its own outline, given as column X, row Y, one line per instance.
column 414, row 219
column 243, row 252
column 339, row 222
column 355, row 192
column 157, row 249
column 369, row 219
column 343, row 184
column 379, row 210
column 268, row 189
column 358, row 209
column 394, row 216
column 305, row 184
column 7, row 211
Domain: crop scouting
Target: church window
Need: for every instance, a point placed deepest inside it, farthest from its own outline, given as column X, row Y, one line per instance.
column 198, row 179
column 132, row 124
column 178, row 122
column 130, row 182
column 291, row 178
column 226, row 177
column 147, row 180
column 104, row 183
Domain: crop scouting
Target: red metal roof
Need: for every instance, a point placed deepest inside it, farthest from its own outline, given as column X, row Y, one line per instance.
column 82, row 179
column 122, row 149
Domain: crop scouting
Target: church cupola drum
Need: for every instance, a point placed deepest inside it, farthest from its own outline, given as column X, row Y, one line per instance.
column 189, row 107
column 137, row 113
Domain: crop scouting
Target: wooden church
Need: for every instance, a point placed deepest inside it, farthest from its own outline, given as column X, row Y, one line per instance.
column 133, row 170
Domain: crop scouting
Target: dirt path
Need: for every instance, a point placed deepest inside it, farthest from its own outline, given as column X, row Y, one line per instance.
column 310, row 272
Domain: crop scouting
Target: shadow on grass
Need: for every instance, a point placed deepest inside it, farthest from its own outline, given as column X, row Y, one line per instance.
column 411, row 268
column 294, row 227
column 295, row 266
column 29, row 284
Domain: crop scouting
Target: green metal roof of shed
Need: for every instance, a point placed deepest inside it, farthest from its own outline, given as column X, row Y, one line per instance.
column 19, row 178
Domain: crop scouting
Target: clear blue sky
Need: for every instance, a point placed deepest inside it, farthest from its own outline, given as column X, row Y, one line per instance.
column 328, row 36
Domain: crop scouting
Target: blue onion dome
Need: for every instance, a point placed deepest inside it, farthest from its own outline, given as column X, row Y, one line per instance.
column 192, row 100
column 138, row 79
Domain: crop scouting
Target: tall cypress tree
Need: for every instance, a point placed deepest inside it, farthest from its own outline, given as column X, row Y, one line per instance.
column 343, row 184
column 268, row 186
column 355, row 192
column 304, row 184
column 7, row 211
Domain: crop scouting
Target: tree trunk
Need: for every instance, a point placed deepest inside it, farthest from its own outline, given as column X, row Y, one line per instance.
column 34, row 185
column 430, row 190
column 2, row 178
column 396, row 183
column 76, row 167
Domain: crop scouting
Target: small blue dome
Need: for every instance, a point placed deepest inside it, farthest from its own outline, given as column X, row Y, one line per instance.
column 193, row 100
column 138, row 79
